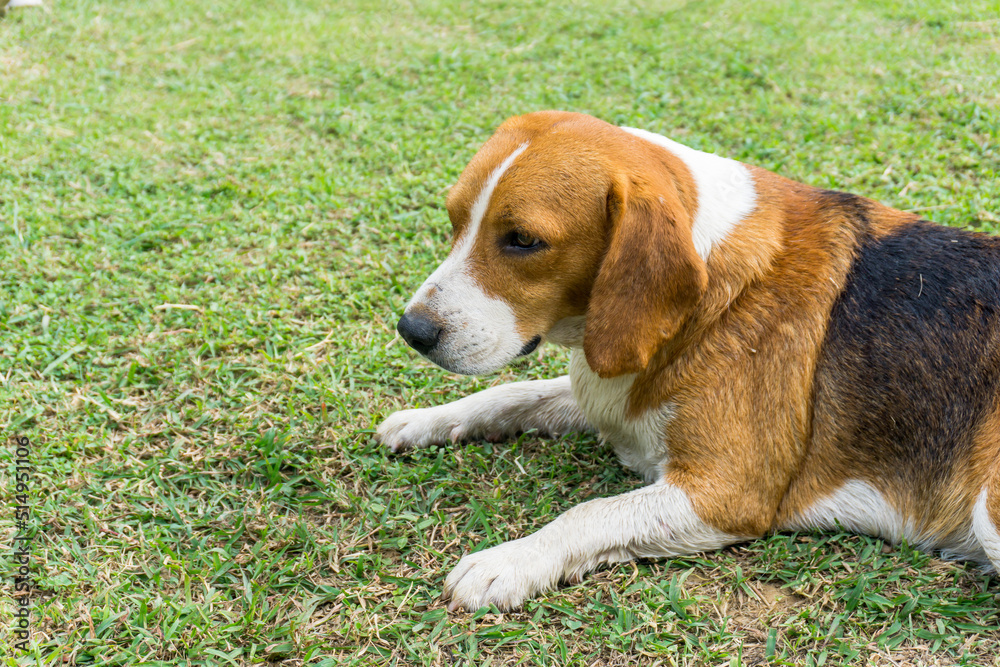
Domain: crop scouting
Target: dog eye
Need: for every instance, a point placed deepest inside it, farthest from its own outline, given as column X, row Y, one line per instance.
column 524, row 241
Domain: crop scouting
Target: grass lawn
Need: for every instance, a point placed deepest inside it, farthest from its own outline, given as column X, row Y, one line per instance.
column 211, row 215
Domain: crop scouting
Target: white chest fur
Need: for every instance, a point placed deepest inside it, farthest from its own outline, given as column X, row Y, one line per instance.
column 640, row 443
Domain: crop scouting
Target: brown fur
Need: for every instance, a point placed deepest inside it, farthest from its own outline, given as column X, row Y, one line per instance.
column 650, row 280
column 733, row 343
column 947, row 512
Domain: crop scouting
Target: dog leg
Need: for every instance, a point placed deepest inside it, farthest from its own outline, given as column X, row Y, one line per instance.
column 545, row 405
column 986, row 519
column 655, row 521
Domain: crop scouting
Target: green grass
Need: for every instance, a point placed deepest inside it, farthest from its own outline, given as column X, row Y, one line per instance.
column 206, row 487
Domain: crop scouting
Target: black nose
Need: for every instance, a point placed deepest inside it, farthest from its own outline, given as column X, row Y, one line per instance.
column 419, row 330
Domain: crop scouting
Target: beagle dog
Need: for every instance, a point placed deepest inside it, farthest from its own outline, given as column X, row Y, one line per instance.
column 769, row 356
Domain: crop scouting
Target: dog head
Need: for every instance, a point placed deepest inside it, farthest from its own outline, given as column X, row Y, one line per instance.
column 569, row 229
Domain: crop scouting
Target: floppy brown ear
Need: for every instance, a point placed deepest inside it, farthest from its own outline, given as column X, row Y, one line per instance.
column 649, row 282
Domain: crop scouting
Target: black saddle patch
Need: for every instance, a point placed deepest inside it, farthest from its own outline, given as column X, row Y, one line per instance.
column 911, row 360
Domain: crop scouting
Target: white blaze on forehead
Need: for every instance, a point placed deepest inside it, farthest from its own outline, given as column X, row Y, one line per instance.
column 483, row 200
column 726, row 192
column 479, row 332
column 455, row 261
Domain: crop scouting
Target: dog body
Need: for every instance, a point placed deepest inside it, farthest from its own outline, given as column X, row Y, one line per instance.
column 768, row 355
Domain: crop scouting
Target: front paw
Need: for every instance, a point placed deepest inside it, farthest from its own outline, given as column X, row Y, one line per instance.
column 504, row 576
column 410, row 429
